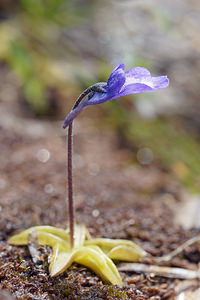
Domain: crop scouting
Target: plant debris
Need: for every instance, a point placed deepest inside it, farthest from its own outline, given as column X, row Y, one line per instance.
column 180, row 273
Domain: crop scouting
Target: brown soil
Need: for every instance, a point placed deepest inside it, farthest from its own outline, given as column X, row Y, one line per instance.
column 113, row 199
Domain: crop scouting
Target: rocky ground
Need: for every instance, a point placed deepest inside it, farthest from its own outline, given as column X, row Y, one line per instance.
column 113, row 199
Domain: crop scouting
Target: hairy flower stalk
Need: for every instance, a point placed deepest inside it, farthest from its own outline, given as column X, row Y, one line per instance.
column 70, row 186
column 98, row 87
column 120, row 83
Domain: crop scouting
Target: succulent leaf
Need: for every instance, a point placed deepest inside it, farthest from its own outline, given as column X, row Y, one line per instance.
column 22, row 237
column 93, row 258
column 95, row 254
column 118, row 249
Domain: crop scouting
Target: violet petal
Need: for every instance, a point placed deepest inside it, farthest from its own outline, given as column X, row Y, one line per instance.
column 120, row 83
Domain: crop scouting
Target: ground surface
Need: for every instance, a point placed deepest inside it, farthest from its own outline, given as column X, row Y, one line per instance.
column 113, row 199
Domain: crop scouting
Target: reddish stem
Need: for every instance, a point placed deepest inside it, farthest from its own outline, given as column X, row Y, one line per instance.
column 70, row 187
column 69, row 161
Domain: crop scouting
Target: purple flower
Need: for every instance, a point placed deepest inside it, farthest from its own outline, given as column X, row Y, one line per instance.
column 120, row 83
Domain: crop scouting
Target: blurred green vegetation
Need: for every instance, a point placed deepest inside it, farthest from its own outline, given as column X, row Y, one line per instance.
column 172, row 147
column 30, row 31
column 34, row 46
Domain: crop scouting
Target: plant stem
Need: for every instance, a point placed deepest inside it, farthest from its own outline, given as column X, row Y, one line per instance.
column 69, row 173
column 99, row 88
column 70, row 186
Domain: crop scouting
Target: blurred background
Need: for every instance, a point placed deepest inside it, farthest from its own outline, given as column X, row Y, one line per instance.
column 51, row 50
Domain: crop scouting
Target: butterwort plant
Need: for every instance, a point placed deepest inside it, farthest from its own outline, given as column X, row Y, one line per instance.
column 75, row 243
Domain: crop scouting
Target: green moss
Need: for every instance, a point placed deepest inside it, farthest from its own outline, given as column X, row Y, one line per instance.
column 116, row 292
column 75, row 291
